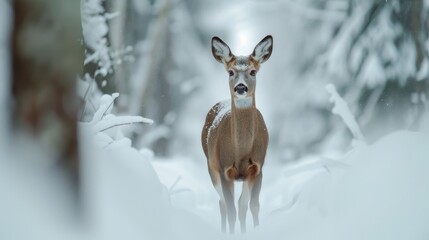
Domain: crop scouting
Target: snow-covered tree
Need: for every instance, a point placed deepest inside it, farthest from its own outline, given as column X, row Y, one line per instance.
column 161, row 70
column 378, row 59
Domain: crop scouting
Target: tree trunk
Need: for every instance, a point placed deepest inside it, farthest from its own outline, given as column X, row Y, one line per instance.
column 46, row 59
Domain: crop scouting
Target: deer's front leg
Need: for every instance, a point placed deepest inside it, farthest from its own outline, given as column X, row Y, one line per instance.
column 254, row 198
column 228, row 193
column 216, row 181
column 243, row 203
column 222, row 208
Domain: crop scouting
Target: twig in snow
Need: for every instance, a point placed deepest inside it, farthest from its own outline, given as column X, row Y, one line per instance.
column 120, row 121
column 101, row 112
column 118, row 125
column 91, row 58
column 108, row 107
column 172, row 190
column 92, row 105
column 287, row 206
column 174, row 184
column 327, row 168
column 180, row 191
column 324, row 163
column 86, row 96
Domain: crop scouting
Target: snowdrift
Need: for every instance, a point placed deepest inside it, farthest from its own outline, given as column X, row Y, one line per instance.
column 375, row 192
column 381, row 194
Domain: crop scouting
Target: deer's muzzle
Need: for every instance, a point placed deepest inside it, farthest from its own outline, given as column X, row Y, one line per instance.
column 241, row 89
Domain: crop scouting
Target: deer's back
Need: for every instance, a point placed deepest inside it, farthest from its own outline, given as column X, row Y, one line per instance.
column 217, row 114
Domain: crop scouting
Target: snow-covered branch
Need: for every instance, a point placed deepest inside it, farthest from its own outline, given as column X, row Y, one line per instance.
column 95, row 29
column 103, row 119
column 341, row 109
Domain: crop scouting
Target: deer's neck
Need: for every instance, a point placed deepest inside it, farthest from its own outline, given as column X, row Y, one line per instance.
column 244, row 123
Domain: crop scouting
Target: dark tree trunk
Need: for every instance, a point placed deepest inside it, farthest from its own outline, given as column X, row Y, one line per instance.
column 46, row 59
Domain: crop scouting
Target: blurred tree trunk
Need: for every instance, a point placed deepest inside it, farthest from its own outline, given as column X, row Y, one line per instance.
column 127, row 29
column 46, row 59
column 150, row 85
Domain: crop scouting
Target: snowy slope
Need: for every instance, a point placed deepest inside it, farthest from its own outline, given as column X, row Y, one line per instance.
column 375, row 192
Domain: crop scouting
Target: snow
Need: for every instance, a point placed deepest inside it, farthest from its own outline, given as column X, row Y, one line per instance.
column 405, row 66
column 189, row 186
column 34, row 196
column 87, row 90
column 379, row 188
column 423, row 73
column 104, row 121
column 335, row 59
column 222, row 110
column 372, row 74
column 112, row 121
column 377, row 192
column 123, row 196
column 95, row 29
column 335, row 10
column 341, row 109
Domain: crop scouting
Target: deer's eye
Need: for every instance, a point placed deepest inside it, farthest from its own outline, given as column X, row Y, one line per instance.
column 231, row 73
column 253, row 73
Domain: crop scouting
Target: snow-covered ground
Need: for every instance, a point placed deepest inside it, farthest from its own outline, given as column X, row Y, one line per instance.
column 377, row 191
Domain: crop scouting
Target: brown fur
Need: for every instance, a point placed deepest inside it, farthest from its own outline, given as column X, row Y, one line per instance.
column 254, row 63
column 231, row 63
column 235, row 148
column 240, row 147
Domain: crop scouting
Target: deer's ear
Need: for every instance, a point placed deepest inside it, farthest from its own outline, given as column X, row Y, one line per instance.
column 263, row 50
column 221, row 51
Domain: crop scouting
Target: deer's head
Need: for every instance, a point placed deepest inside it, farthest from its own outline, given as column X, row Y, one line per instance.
column 242, row 70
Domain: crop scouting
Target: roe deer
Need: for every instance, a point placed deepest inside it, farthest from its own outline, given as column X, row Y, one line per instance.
column 234, row 135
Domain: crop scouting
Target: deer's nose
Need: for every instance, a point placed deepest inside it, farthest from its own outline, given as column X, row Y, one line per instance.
column 240, row 88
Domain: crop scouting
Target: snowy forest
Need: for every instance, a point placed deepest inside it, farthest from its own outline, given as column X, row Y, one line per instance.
column 102, row 104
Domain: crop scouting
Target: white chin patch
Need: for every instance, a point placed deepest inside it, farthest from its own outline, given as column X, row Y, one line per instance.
column 243, row 101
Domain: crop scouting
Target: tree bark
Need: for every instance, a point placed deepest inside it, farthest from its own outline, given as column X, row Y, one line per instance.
column 46, row 59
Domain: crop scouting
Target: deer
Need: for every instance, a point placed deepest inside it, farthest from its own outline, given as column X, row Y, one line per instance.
column 234, row 136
